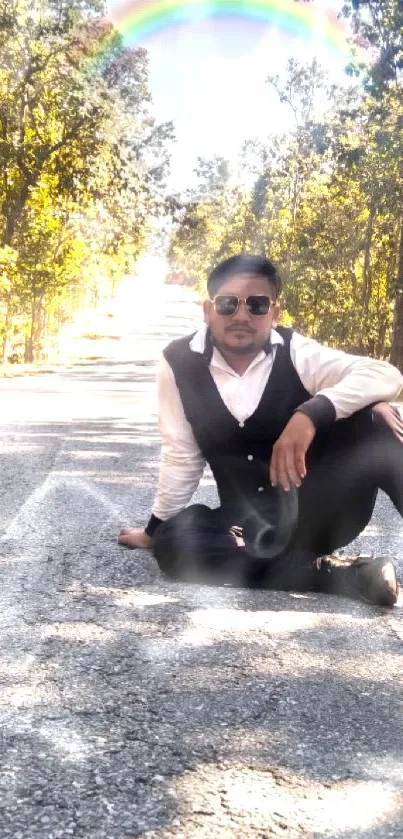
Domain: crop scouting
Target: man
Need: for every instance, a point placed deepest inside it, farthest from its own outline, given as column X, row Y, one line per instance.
column 299, row 438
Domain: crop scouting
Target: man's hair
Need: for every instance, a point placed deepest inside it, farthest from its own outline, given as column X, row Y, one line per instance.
column 244, row 263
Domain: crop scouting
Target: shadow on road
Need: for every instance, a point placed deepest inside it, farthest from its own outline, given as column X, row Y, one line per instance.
column 137, row 701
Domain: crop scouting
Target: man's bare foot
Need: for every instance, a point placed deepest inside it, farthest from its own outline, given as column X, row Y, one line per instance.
column 133, row 537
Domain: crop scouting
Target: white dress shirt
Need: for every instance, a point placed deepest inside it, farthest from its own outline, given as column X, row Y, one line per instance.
column 350, row 382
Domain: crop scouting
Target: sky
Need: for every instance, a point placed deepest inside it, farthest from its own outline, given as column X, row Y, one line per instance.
column 209, row 78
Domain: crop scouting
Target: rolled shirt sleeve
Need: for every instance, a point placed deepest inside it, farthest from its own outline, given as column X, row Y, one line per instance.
column 182, row 463
column 348, row 382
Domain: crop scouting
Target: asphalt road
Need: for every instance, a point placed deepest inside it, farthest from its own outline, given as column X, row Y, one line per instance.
column 133, row 707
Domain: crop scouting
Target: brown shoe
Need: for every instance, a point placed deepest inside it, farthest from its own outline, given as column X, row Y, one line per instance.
column 369, row 578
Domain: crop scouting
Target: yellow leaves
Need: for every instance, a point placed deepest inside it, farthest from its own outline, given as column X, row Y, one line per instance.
column 8, row 264
column 79, row 175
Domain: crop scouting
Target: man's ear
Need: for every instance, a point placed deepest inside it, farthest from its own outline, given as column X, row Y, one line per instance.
column 207, row 304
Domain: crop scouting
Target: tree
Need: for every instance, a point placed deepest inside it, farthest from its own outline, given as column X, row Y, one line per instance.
column 379, row 25
column 324, row 201
column 197, row 234
column 83, row 162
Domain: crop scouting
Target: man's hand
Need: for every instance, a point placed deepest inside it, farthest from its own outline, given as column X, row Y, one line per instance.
column 394, row 421
column 287, row 465
column 134, row 538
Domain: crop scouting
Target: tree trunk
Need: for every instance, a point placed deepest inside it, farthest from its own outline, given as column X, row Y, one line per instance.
column 29, row 339
column 6, row 332
column 33, row 344
column 366, row 278
column 396, row 354
column 28, row 354
column 15, row 213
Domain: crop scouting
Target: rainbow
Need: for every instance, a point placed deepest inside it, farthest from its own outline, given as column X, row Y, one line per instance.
column 138, row 20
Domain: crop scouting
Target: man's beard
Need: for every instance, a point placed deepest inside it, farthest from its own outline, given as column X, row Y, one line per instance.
column 246, row 349
column 241, row 349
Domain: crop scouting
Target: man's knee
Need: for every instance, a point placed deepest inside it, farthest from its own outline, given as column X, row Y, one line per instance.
column 177, row 538
column 163, row 547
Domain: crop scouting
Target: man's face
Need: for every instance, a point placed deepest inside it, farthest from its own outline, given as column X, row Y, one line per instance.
column 241, row 333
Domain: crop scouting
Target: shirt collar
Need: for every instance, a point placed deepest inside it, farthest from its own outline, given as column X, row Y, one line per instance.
column 202, row 343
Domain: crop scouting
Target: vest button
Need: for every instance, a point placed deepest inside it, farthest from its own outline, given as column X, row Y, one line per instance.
column 241, row 424
column 250, row 456
column 260, row 489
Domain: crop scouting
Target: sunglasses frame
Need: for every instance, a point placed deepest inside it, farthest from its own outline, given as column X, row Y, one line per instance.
column 243, row 300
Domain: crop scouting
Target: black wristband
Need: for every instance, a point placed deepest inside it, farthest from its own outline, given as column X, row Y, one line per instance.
column 152, row 525
column 319, row 409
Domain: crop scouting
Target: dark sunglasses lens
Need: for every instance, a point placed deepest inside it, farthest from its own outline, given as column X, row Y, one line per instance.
column 226, row 304
column 258, row 304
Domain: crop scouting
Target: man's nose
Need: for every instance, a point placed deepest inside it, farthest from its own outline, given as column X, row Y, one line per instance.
column 242, row 310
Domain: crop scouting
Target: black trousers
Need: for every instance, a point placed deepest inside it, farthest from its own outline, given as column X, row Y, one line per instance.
column 285, row 532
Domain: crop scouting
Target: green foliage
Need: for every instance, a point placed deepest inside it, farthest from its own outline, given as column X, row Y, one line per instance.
column 325, row 202
column 82, row 161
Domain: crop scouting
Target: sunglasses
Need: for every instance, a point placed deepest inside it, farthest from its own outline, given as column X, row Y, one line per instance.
column 256, row 304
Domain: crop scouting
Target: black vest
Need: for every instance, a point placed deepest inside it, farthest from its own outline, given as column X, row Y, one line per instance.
column 238, row 453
